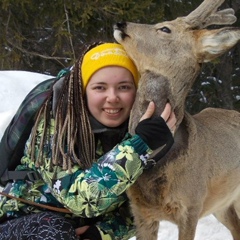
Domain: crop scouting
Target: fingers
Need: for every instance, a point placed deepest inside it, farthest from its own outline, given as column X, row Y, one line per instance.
column 166, row 112
column 168, row 115
column 171, row 122
column 149, row 112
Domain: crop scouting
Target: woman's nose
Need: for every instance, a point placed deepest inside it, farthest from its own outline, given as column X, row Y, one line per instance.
column 112, row 96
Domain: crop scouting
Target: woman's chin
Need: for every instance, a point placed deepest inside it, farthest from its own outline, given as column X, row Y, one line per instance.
column 112, row 123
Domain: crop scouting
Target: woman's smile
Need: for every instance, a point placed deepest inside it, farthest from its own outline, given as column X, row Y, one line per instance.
column 112, row 111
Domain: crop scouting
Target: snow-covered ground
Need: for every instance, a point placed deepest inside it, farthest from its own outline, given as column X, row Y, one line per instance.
column 14, row 86
column 208, row 229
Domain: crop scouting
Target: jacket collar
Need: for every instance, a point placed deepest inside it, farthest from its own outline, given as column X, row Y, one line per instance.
column 98, row 127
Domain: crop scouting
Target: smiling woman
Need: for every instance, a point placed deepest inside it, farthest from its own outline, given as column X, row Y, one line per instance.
column 82, row 155
column 110, row 95
column 208, row 228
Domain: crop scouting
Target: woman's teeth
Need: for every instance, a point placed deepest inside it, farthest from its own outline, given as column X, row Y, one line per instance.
column 112, row 111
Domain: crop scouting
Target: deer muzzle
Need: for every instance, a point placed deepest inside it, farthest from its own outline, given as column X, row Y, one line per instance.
column 119, row 31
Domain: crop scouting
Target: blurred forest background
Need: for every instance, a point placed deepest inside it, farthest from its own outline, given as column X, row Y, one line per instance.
column 45, row 36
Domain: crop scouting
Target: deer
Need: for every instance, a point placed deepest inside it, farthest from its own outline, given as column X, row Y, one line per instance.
column 200, row 174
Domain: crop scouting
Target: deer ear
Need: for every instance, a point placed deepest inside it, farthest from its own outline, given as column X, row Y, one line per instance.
column 213, row 43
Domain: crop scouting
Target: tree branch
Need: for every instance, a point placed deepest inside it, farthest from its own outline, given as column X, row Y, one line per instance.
column 38, row 54
column 69, row 30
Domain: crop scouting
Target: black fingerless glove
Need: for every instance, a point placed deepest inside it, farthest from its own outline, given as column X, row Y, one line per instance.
column 155, row 133
column 92, row 233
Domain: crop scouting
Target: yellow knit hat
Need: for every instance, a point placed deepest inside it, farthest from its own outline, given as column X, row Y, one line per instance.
column 107, row 54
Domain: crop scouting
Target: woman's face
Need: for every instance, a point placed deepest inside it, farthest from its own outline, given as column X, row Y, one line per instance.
column 110, row 95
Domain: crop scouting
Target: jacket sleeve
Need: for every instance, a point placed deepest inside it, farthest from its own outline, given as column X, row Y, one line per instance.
column 117, row 225
column 95, row 191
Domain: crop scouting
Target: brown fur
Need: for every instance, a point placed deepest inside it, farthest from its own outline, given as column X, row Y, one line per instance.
column 200, row 175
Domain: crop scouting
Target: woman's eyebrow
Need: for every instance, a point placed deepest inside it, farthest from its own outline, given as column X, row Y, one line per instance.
column 127, row 81
column 104, row 83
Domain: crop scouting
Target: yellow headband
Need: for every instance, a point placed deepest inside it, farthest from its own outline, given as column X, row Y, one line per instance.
column 104, row 55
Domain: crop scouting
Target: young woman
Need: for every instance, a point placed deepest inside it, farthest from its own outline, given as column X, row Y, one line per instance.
column 83, row 154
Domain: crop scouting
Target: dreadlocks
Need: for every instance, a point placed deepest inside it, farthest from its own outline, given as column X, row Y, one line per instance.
column 73, row 139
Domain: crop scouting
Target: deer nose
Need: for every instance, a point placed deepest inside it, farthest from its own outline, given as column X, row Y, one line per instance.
column 121, row 25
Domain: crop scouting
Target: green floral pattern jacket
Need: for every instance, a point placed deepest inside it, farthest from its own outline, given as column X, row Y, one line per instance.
column 96, row 194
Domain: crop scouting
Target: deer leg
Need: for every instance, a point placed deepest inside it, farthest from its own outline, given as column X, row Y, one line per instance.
column 229, row 218
column 187, row 226
column 145, row 228
column 147, row 231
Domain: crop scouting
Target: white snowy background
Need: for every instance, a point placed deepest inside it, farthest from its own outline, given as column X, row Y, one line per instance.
column 14, row 86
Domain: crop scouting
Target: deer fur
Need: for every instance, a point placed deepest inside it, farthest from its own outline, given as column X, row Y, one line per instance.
column 200, row 175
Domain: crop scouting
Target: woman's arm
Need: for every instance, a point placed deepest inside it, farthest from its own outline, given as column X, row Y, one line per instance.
column 92, row 192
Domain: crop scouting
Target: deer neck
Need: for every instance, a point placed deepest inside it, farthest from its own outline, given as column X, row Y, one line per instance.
column 157, row 88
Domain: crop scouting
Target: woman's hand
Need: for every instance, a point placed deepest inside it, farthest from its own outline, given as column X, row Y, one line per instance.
column 168, row 115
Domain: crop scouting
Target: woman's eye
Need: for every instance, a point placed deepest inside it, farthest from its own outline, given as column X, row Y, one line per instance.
column 165, row 29
column 98, row 88
column 124, row 87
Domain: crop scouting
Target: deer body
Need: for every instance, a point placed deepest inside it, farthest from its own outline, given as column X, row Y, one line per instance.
column 200, row 174
column 195, row 181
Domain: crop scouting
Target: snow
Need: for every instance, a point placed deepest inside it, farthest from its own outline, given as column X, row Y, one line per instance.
column 208, row 228
column 14, row 86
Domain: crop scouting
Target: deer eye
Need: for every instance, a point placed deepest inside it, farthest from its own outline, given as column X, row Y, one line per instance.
column 165, row 29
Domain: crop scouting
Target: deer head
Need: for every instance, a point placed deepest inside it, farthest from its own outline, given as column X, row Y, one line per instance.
column 168, row 55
